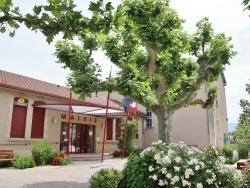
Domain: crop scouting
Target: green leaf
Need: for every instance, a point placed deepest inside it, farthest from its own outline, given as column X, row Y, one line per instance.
column 16, row 11
column 12, row 34
column 56, row 13
column 94, row 6
column 48, row 8
column 54, row 1
column 50, row 38
column 125, row 9
column 37, row 9
column 109, row 6
column 3, row 29
column 8, row 2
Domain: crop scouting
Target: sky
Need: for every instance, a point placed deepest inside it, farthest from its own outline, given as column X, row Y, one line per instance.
column 28, row 53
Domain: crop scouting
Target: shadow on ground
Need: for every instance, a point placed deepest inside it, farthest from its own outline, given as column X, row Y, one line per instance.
column 57, row 184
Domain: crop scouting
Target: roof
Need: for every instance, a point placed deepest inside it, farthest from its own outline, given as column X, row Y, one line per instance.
column 30, row 85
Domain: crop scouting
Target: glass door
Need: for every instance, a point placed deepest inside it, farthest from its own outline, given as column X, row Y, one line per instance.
column 90, row 138
column 81, row 138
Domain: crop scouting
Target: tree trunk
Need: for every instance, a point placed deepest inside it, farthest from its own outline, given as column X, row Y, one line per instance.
column 165, row 118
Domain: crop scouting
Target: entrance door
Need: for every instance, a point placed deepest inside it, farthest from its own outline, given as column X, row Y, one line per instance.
column 81, row 138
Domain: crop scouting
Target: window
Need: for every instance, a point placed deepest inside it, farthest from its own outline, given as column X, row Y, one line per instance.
column 149, row 118
column 110, row 129
column 19, row 117
column 38, row 121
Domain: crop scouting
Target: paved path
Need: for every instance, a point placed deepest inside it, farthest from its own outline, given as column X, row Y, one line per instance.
column 75, row 175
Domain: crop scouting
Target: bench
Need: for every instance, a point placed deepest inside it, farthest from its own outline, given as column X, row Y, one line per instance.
column 242, row 165
column 6, row 155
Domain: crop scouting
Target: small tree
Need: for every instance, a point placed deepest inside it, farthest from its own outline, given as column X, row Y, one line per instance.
column 132, row 130
column 242, row 131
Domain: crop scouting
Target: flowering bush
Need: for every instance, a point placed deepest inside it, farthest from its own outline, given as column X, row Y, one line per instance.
column 60, row 158
column 177, row 165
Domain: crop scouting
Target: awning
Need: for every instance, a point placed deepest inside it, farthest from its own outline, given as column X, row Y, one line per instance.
column 80, row 109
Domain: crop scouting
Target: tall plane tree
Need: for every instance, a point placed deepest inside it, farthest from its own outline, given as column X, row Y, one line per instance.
column 161, row 65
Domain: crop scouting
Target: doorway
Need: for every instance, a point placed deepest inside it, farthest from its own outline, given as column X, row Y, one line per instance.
column 81, row 138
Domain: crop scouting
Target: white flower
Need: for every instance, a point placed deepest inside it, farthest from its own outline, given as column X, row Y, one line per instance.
column 174, row 180
column 150, row 169
column 166, row 159
column 170, row 152
column 182, row 144
column 185, row 183
column 161, row 183
column 168, row 175
column 176, row 169
column 195, row 161
column 199, row 185
column 159, row 142
column 202, row 165
column 190, row 152
column 157, row 157
column 197, row 167
column 209, row 181
column 188, row 172
column 208, row 171
column 154, row 177
column 163, row 170
column 177, row 159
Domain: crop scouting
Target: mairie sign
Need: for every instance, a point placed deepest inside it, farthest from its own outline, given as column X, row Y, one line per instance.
column 77, row 118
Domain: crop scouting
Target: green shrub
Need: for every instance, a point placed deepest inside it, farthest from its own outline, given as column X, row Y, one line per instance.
column 132, row 129
column 234, row 160
column 109, row 178
column 243, row 150
column 5, row 164
column 177, row 165
column 21, row 161
column 66, row 161
column 246, row 175
column 42, row 152
column 227, row 152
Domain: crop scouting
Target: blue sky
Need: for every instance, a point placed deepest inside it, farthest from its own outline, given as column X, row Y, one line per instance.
column 29, row 54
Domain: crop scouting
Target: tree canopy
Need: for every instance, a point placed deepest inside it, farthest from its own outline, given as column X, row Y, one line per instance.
column 246, row 4
column 242, row 130
column 161, row 65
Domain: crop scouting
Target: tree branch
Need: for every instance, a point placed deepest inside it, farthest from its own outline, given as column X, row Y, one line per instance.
column 208, row 103
column 152, row 51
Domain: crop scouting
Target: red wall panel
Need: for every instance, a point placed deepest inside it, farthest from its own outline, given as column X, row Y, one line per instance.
column 18, row 121
column 110, row 129
column 37, row 123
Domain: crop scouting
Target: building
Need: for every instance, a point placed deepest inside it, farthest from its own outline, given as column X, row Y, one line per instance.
column 192, row 125
column 32, row 109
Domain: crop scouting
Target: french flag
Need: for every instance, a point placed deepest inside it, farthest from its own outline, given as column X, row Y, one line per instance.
column 134, row 106
column 128, row 102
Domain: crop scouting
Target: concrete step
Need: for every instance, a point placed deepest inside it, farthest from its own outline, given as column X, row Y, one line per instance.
column 90, row 156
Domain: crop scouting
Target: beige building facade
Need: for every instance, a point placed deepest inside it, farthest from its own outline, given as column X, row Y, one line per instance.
column 32, row 110
column 192, row 125
column 42, row 109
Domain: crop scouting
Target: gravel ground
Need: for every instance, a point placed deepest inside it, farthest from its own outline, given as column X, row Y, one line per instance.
column 75, row 175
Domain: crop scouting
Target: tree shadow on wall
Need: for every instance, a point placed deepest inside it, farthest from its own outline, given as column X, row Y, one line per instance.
column 57, row 184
